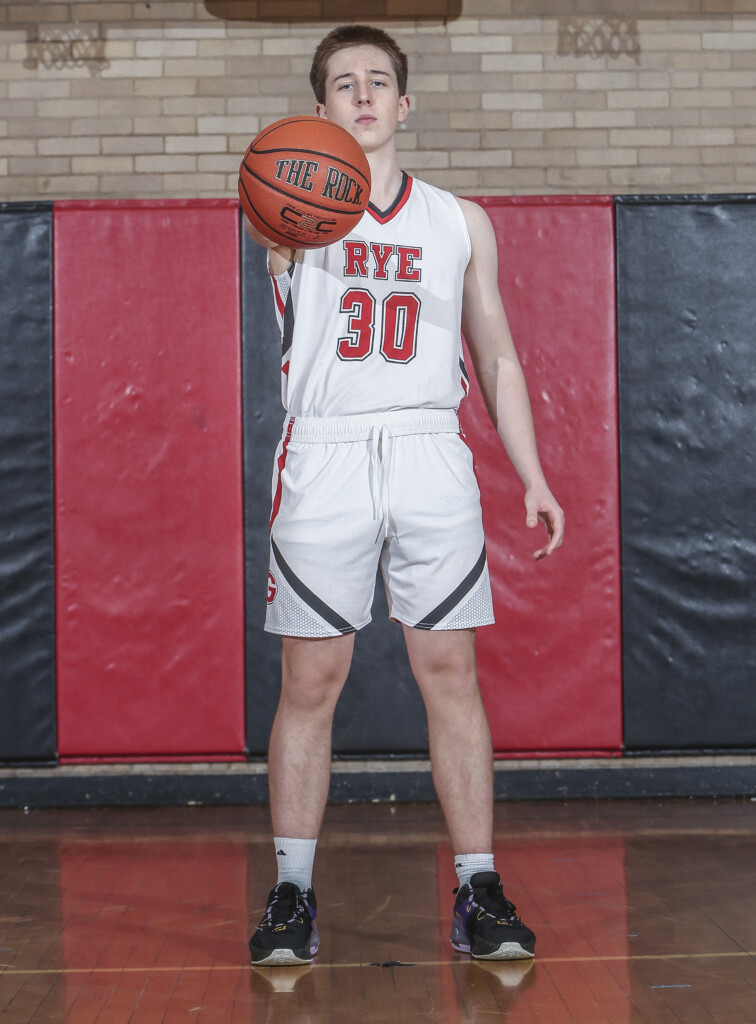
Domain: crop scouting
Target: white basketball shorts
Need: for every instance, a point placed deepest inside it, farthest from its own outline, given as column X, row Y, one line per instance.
column 352, row 493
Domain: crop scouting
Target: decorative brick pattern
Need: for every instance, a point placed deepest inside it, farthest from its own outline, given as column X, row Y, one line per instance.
column 139, row 99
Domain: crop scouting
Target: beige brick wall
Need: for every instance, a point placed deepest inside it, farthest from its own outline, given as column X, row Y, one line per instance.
column 156, row 99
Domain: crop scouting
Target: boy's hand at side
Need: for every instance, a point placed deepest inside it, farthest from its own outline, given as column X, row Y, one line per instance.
column 542, row 506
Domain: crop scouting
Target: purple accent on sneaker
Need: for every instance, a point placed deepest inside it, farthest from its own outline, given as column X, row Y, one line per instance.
column 314, row 938
column 459, row 937
column 464, row 911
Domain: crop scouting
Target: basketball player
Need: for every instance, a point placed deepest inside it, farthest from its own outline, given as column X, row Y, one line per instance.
column 372, row 470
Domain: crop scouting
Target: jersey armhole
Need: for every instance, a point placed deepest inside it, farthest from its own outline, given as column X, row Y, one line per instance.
column 286, row 273
column 465, row 229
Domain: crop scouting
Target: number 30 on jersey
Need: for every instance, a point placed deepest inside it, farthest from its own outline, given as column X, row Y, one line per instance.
column 396, row 328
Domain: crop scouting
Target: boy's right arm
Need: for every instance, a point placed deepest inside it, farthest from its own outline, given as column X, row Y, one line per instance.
column 281, row 256
column 500, row 375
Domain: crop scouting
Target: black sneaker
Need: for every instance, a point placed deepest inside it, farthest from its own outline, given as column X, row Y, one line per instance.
column 485, row 923
column 287, row 933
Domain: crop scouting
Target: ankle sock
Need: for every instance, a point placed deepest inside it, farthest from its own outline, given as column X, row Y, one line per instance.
column 469, row 864
column 295, row 858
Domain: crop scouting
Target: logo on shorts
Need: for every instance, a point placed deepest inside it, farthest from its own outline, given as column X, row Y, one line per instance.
column 272, row 588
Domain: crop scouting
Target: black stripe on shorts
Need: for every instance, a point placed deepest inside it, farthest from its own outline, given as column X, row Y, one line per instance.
column 442, row 610
column 311, row 600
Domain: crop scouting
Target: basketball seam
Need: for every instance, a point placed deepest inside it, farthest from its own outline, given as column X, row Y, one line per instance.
column 277, row 124
column 296, row 243
column 305, row 119
column 257, row 213
column 271, row 127
column 308, row 152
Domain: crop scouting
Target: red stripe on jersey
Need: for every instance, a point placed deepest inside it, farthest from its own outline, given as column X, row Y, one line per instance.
column 279, row 301
column 465, row 385
column 281, row 463
column 384, row 218
column 285, row 368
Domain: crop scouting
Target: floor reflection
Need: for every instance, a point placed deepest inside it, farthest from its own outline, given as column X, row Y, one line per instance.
column 477, row 991
column 644, row 914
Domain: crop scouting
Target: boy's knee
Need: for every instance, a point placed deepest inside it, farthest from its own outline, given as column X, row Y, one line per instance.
column 312, row 688
column 314, row 672
column 450, row 682
column 446, row 664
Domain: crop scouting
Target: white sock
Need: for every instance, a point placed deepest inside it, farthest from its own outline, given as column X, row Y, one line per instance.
column 295, row 858
column 469, row 864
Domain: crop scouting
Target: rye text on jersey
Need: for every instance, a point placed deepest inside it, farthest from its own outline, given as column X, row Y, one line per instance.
column 358, row 256
column 395, row 320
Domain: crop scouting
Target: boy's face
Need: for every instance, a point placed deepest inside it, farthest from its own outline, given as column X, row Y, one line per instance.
column 362, row 95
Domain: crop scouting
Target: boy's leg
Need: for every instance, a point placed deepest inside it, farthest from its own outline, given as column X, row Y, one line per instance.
column 443, row 661
column 299, row 768
column 313, row 673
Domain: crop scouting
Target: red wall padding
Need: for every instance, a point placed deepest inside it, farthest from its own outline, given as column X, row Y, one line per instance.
column 150, row 615
column 550, row 668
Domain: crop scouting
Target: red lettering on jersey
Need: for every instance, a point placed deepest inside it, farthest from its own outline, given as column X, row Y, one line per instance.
column 358, row 343
column 355, row 264
column 406, row 271
column 382, row 254
column 401, row 313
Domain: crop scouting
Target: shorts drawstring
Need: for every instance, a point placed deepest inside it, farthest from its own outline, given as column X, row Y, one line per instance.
column 379, row 429
column 380, row 456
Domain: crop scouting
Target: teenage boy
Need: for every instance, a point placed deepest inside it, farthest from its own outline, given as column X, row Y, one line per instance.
column 372, row 470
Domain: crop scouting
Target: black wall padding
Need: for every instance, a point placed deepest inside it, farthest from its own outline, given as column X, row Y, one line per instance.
column 27, row 553
column 380, row 710
column 687, row 365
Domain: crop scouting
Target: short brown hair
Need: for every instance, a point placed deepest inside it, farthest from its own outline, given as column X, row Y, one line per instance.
column 355, row 35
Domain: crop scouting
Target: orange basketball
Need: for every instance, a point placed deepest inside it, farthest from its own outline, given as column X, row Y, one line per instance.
column 304, row 182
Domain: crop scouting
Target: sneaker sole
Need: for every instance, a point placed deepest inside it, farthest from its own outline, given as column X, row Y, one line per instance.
column 283, row 958
column 506, row 951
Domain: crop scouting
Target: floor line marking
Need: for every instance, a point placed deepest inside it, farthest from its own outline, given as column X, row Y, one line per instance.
column 416, row 963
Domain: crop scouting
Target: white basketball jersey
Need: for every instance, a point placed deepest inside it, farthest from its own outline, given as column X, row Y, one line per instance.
column 373, row 323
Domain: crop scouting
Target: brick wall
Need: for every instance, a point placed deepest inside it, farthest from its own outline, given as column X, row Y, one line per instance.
column 160, row 99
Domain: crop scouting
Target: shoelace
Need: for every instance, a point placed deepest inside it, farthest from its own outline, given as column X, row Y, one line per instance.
column 291, row 907
column 498, row 904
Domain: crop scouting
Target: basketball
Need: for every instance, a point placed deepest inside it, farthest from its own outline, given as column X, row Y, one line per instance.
column 304, row 182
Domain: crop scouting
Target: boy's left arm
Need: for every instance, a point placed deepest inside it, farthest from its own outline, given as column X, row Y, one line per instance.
column 500, row 375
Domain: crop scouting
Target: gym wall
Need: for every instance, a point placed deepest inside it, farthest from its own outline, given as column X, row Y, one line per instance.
column 165, row 406
column 139, row 370
column 27, row 547
column 686, row 399
column 148, row 479
column 127, row 99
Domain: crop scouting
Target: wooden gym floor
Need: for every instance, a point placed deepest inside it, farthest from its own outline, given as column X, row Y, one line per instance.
column 645, row 912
